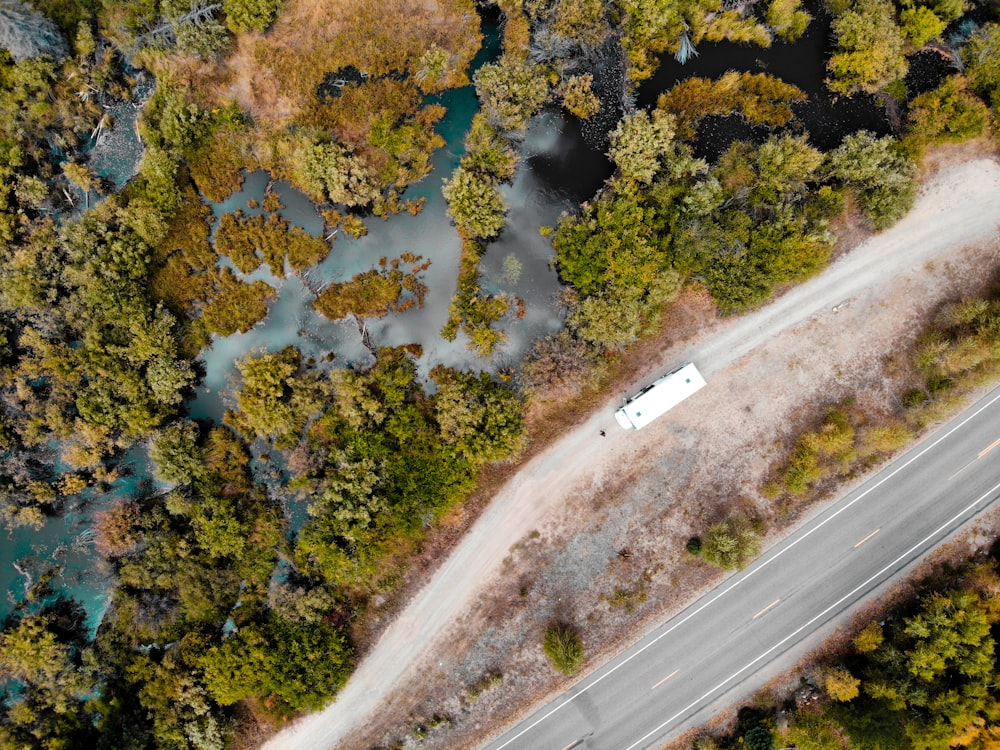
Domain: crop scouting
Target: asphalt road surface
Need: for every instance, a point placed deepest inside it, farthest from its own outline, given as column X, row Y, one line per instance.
column 762, row 620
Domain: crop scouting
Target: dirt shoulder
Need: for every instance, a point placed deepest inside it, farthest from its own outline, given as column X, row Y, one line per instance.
column 548, row 545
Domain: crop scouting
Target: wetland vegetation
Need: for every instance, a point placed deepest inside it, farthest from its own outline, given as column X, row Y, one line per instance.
column 266, row 530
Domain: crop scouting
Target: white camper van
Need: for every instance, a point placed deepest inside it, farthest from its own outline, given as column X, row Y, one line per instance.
column 657, row 399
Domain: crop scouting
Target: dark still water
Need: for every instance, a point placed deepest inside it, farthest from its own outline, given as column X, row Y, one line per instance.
column 803, row 63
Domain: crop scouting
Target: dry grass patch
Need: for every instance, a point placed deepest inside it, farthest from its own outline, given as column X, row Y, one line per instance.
column 275, row 76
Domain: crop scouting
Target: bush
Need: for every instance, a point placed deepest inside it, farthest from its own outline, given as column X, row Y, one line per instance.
column 759, row 737
column 885, row 438
column 475, row 204
column 511, row 91
column 487, row 682
column 882, row 177
column 250, row 15
column 938, row 384
column 564, row 647
column 731, row 544
column 693, row 545
column 579, row 98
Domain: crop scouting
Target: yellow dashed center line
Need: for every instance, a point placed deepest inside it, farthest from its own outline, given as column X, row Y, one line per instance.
column 665, row 679
column 868, row 537
column 988, row 448
column 772, row 604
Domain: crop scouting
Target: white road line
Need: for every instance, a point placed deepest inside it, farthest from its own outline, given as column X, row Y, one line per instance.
column 768, row 607
column 868, row 537
column 821, row 615
column 754, row 570
column 665, row 679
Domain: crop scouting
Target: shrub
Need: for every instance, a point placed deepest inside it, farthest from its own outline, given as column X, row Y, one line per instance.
column 511, row 91
column 250, row 15
column 882, row 177
column 564, row 647
column 578, row 96
column 487, row 682
column 949, row 113
column 885, row 438
column 759, row 737
column 372, row 293
column 237, row 306
column 803, row 470
column 731, row 544
column 474, row 203
column 693, row 545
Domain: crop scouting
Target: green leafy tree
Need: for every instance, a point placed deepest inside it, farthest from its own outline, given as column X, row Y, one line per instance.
column 947, row 114
column 883, row 178
column 487, row 152
column 236, row 306
column 982, row 63
column 785, row 166
column 475, row 204
column 616, row 318
column 479, row 419
column 176, row 454
column 936, row 666
column 787, row 19
column 641, row 142
column 327, row 171
column 275, row 399
column 511, row 91
column 920, row 25
column 376, row 470
column 40, row 657
column 869, row 53
column 203, row 39
column 172, row 122
column 582, row 21
column 840, row 684
column 579, row 98
column 180, row 710
column 296, row 666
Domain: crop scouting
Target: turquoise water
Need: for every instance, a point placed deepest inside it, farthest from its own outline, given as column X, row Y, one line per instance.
column 292, row 320
column 66, row 542
column 533, row 201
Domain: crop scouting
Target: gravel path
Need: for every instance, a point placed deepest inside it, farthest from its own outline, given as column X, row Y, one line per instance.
column 959, row 206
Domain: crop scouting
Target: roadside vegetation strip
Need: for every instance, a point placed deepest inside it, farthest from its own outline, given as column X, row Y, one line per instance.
column 953, row 356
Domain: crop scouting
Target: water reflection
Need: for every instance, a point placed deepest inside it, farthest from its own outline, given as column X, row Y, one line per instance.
column 825, row 118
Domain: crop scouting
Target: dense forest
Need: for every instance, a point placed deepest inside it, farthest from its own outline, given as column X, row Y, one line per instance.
column 222, row 614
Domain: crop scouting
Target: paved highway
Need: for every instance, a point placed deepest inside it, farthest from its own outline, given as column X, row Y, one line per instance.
column 762, row 620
